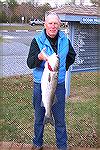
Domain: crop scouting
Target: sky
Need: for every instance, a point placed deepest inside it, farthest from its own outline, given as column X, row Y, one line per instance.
column 60, row 2
column 53, row 2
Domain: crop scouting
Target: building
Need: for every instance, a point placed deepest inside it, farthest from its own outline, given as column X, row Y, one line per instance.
column 84, row 33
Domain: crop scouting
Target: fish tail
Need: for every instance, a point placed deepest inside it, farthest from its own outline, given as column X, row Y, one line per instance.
column 48, row 119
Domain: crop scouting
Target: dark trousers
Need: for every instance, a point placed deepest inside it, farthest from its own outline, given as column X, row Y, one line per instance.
column 58, row 110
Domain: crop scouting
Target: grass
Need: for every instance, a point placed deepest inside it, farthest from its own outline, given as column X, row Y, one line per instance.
column 25, row 27
column 82, row 111
column 1, row 39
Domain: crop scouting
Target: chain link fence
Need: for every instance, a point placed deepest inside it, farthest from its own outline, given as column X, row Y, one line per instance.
column 16, row 110
column 82, row 111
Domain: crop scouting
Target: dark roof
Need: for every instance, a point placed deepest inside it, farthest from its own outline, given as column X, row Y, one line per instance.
column 72, row 9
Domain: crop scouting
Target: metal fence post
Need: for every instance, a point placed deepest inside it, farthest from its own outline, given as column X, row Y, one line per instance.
column 67, row 82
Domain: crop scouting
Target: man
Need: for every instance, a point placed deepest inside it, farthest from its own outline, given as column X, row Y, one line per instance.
column 50, row 40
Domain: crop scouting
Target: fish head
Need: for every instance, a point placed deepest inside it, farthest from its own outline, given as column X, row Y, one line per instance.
column 53, row 62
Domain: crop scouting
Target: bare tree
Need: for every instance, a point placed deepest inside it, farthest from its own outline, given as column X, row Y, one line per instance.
column 73, row 1
column 81, row 2
column 96, row 2
column 12, row 4
column 42, row 9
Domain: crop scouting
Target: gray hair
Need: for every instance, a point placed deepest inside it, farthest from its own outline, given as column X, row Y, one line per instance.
column 52, row 14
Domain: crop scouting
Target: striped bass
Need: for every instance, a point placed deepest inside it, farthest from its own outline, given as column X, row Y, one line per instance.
column 48, row 86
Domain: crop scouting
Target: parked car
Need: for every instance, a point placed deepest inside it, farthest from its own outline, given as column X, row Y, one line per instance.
column 36, row 22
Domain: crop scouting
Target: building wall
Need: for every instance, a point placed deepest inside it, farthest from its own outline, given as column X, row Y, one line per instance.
column 85, row 39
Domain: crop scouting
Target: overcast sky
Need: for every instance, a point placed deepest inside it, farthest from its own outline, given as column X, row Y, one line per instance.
column 53, row 2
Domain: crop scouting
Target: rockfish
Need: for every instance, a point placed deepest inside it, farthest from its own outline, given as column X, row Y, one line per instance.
column 48, row 86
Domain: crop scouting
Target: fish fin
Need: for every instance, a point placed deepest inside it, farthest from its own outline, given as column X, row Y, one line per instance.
column 55, row 100
column 42, row 104
column 49, row 77
column 49, row 120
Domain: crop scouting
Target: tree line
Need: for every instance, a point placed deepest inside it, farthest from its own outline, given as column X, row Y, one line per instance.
column 12, row 12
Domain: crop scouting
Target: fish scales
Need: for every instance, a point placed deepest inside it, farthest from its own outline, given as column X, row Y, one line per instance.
column 48, row 86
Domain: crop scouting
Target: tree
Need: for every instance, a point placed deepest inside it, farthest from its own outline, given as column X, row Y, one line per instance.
column 29, row 10
column 96, row 2
column 42, row 9
column 12, row 4
column 26, row 10
column 3, row 17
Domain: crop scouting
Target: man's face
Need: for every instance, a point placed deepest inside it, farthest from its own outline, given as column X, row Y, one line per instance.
column 52, row 25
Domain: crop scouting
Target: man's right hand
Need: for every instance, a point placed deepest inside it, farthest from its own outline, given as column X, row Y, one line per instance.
column 42, row 55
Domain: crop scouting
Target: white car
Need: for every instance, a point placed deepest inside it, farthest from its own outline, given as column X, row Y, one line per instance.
column 36, row 22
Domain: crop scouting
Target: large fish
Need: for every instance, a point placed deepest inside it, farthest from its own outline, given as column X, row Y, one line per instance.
column 48, row 86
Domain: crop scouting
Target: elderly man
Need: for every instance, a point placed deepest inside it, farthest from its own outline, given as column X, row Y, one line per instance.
column 52, row 40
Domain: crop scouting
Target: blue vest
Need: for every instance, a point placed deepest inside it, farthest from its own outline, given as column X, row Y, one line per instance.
column 62, row 51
